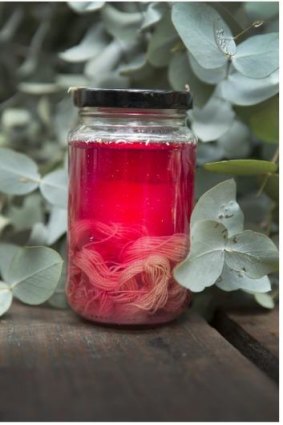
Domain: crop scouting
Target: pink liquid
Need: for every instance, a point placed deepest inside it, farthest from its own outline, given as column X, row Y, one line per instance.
column 129, row 210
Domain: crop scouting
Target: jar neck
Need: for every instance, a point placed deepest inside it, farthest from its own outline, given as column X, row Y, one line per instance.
column 132, row 116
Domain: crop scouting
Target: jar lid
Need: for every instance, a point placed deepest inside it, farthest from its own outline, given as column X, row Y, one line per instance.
column 131, row 98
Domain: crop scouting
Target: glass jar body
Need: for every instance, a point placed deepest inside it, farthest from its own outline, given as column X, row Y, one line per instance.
column 131, row 179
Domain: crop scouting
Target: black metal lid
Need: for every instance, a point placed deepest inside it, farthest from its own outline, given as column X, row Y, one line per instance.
column 131, row 98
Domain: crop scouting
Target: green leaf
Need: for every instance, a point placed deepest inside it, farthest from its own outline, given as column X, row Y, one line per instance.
column 91, row 45
column 253, row 253
column 206, row 259
column 219, row 204
column 231, row 280
column 258, row 56
column 121, row 25
column 33, row 274
column 29, row 213
column 6, row 298
column 241, row 90
column 204, row 33
column 38, row 89
column 179, row 71
column 57, row 225
column 18, row 173
column 106, row 61
column 180, row 74
column 85, row 6
column 153, row 14
column 242, row 167
column 162, row 42
column 7, row 253
column 264, row 121
column 138, row 68
column 213, row 120
column 209, row 76
column 15, row 117
column 71, row 80
column 236, row 142
column 64, row 119
column 265, row 300
column 38, row 235
column 53, row 187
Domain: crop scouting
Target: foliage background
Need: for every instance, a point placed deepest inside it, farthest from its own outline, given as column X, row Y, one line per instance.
column 48, row 47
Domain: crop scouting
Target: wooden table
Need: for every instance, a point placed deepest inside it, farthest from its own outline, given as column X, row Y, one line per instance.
column 56, row 367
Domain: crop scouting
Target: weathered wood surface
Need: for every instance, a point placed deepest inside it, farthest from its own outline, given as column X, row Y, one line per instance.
column 55, row 367
column 255, row 334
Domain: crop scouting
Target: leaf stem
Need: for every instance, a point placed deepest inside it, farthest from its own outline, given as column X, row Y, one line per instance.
column 255, row 24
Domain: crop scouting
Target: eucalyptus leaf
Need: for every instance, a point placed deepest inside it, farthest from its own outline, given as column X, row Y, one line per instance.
column 242, row 167
column 137, row 69
column 219, row 204
column 15, row 117
column 18, row 173
column 53, row 187
column 29, row 213
column 121, row 25
column 107, row 60
column 253, row 253
column 38, row 89
column 231, row 280
column 258, row 56
column 206, row 259
column 57, row 225
column 71, row 80
column 180, row 75
column 64, row 119
column 38, row 235
column 153, row 14
column 111, row 80
column 241, row 90
column 236, row 142
column 179, row 71
column 248, row 255
column 33, row 274
column 91, row 45
column 209, row 76
column 6, row 298
column 162, row 42
column 213, row 120
column 7, row 253
column 86, row 6
column 265, row 300
column 204, row 33
column 44, row 110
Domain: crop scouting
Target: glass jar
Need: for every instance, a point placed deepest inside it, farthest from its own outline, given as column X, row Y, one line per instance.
column 131, row 184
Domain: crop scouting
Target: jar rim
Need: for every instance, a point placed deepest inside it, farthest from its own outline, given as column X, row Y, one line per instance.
column 131, row 98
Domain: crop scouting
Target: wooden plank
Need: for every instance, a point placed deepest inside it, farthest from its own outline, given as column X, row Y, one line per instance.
column 55, row 367
column 255, row 334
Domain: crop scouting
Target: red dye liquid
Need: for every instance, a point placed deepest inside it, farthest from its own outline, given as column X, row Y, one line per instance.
column 129, row 210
